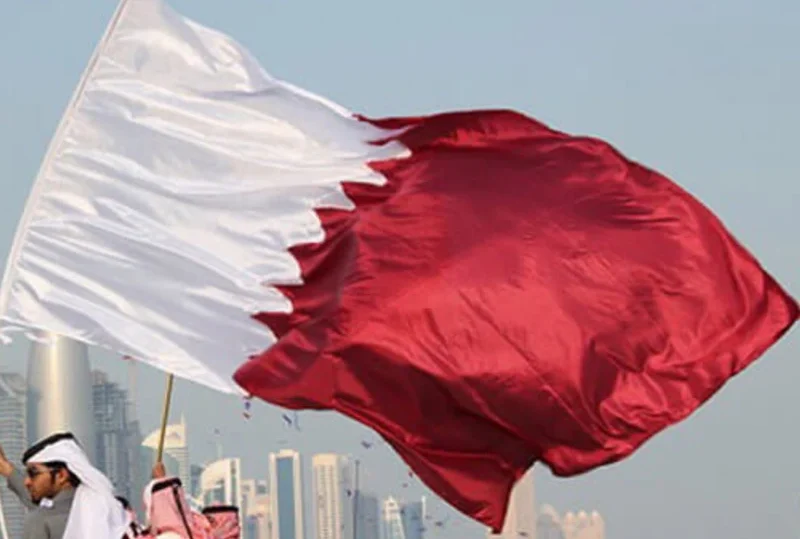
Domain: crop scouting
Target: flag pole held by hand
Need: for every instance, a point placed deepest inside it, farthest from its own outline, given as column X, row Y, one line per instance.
column 165, row 417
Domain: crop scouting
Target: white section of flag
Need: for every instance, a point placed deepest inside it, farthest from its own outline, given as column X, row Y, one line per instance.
column 163, row 211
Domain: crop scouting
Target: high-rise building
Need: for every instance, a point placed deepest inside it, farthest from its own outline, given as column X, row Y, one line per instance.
column 221, row 483
column 413, row 516
column 176, row 445
column 255, row 509
column 367, row 515
column 332, row 496
column 140, row 473
column 548, row 524
column 259, row 516
column 391, row 520
column 115, row 433
column 583, row 525
column 59, row 395
column 286, row 495
column 402, row 520
column 195, row 472
column 598, row 525
column 521, row 515
column 13, row 437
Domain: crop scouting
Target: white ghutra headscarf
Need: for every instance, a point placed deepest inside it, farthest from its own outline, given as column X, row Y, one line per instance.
column 95, row 512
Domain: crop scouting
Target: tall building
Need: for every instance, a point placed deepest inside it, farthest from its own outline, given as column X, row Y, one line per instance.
column 401, row 520
column 176, row 445
column 59, row 391
column 13, row 437
column 413, row 517
column 255, row 509
column 286, row 495
column 332, row 496
column 391, row 520
column 548, row 524
column 583, row 525
column 521, row 515
column 140, row 472
column 221, row 483
column 195, row 472
column 116, row 436
column 367, row 515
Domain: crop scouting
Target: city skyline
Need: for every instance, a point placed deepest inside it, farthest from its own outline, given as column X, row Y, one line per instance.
column 327, row 511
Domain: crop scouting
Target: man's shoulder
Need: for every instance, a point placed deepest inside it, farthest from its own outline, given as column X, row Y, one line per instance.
column 36, row 525
column 46, row 511
column 46, row 520
column 38, row 513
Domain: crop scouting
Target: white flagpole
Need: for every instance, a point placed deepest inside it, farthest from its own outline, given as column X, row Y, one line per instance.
column 44, row 167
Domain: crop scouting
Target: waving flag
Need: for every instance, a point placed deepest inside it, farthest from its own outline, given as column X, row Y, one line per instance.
column 480, row 289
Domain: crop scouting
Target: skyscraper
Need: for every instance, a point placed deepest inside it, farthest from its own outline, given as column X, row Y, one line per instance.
column 414, row 514
column 332, row 496
column 286, row 495
column 368, row 516
column 584, row 525
column 13, row 437
column 59, row 396
column 115, row 433
column 581, row 525
column 221, row 483
column 391, row 522
column 548, row 524
column 255, row 509
column 521, row 515
column 195, row 472
column 403, row 520
column 176, row 445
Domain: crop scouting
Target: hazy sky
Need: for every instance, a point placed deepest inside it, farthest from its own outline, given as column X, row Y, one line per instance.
column 707, row 92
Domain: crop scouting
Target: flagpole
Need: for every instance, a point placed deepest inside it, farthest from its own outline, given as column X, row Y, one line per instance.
column 165, row 417
column 52, row 149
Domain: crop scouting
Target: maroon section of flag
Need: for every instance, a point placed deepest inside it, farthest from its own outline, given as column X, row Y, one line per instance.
column 515, row 294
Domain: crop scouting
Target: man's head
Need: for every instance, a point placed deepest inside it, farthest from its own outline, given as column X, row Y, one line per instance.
column 45, row 479
column 58, row 464
column 224, row 521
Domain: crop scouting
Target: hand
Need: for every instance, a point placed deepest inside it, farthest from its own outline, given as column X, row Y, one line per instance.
column 6, row 468
column 159, row 471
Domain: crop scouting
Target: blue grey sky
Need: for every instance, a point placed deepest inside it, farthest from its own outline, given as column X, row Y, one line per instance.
column 706, row 92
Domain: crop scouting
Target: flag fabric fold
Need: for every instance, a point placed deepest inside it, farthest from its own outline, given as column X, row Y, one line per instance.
column 482, row 290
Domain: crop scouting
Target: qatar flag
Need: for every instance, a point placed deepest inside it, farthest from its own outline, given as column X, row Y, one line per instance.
column 482, row 290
